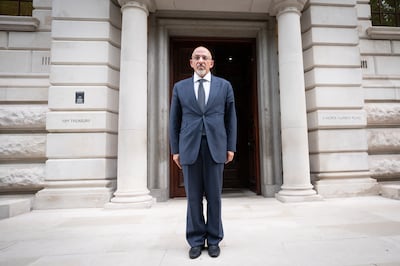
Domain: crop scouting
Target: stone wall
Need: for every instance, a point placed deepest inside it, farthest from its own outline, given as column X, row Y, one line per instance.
column 380, row 63
column 24, row 82
column 335, row 99
column 82, row 121
column 384, row 139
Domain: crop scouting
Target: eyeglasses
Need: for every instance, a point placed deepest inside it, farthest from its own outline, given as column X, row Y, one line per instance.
column 198, row 57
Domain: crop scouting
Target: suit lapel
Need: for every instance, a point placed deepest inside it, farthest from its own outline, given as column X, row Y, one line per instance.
column 192, row 96
column 213, row 92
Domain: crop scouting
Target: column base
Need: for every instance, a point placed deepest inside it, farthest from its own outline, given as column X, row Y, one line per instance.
column 297, row 195
column 287, row 199
column 131, row 200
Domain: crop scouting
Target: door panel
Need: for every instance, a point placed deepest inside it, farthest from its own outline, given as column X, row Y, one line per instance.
column 234, row 61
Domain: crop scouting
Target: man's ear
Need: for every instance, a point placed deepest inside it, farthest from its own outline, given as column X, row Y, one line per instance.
column 211, row 64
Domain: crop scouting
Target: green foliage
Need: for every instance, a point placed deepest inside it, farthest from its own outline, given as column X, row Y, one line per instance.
column 385, row 13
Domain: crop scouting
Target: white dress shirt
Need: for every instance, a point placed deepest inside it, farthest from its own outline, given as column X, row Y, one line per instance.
column 206, row 84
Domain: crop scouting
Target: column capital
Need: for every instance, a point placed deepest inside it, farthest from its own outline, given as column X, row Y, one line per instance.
column 146, row 5
column 281, row 6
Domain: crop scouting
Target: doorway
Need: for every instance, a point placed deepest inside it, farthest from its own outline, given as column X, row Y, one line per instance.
column 235, row 60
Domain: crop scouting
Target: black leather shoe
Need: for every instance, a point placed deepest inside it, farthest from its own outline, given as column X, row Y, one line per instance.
column 195, row 252
column 214, row 251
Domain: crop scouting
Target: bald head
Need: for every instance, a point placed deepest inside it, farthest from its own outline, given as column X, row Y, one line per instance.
column 202, row 50
column 201, row 61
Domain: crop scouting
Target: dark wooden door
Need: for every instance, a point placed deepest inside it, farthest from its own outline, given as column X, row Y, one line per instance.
column 235, row 60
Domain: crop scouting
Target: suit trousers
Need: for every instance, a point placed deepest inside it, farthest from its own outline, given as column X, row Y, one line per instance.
column 204, row 178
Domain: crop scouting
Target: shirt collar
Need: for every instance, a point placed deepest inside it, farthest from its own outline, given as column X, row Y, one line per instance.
column 206, row 77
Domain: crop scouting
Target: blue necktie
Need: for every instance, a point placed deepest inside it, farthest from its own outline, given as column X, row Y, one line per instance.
column 201, row 95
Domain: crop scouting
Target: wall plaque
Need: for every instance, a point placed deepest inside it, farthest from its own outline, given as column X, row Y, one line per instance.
column 337, row 119
column 80, row 97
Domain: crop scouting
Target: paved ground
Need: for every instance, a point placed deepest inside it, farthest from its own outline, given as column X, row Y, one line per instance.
column 258, row 231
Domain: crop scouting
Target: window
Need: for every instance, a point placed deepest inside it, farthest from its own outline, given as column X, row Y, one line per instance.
column 385, row 13
column 16, row 7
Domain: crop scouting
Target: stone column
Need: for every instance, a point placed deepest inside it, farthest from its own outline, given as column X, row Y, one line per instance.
column 295, row 156
column 132, row 123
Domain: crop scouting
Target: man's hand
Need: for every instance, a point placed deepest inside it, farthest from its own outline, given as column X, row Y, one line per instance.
column 229, row 156
column 175, row 157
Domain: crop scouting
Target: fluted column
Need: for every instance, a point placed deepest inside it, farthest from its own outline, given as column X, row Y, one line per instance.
column 132, row 188
column 295, row 156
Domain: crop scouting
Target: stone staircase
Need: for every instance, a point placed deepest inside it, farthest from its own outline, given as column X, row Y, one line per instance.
column 390, row 190
column 14, row 205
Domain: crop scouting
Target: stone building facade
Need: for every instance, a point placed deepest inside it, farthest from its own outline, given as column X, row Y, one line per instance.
column 85, row 87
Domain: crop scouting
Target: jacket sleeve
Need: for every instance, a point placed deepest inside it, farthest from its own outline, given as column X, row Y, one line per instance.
column 175, row 119
column 230, row 120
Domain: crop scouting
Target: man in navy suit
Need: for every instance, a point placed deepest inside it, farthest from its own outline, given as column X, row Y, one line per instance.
column 203, row 139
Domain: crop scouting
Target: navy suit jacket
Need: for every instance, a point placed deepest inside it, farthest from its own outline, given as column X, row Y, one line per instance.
column 187, row 120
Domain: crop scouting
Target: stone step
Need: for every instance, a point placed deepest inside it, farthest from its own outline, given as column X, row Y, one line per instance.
column 390, row 190
column 12, row 206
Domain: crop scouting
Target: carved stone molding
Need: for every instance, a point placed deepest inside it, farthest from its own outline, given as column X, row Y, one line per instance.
column 18, row 23
column 21, row 176
column 23, row 117
column 384, row 165
column 384, row 140
column 383, row 114
column 22, row 146
column 384, row 33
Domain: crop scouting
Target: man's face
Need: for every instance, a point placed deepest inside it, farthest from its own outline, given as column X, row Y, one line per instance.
column 201, row 61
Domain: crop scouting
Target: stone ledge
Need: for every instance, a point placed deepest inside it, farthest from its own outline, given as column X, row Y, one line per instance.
column 353, row 187
column 390, row 190
column 391, row 33
column 18, row 23
column 10, row 206
column 22, row 95
column 73, row 197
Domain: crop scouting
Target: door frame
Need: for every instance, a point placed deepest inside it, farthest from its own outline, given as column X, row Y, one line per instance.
column 162, row 26
column 176, row 187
